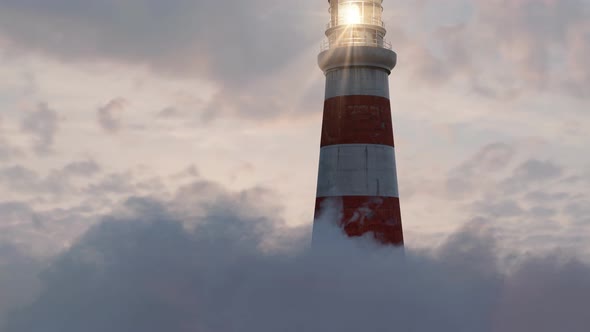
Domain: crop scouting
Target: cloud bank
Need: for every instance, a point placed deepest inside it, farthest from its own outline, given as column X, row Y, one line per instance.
column 211, row 260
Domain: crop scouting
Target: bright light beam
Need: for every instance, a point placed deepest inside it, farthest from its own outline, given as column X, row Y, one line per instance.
column 351, row 14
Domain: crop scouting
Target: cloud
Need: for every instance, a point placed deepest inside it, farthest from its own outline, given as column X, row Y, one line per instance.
column 42, row 125
column 45, row 212
column 207, row 261
column 19, row 178
column 14, row 211
column 7, row 150
column 179, row 37
column 489, row 161
column 501, row 49
column 499, row 208
column 109, row 115
column 239, row 57
column 532, row 202
column 536, row 170
column 531, row 172
column 82, row 168
column 532, row 299
column 18, row 280
column 57, row 182
column 169, row 113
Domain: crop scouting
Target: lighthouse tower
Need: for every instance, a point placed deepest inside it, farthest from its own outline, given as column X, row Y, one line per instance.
column 357, row 180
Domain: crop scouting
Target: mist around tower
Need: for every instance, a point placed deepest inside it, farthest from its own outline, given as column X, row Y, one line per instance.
column 151, row 268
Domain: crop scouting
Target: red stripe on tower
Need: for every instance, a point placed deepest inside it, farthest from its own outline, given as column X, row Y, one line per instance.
column 357, row 172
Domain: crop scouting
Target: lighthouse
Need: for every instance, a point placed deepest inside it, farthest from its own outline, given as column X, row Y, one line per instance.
column 357, row 178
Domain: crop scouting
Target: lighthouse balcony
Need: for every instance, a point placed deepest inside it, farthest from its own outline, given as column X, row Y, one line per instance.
column 347, row 41
column 374, row 21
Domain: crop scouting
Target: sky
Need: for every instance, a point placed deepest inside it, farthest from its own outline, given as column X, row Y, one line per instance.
column 186, row 111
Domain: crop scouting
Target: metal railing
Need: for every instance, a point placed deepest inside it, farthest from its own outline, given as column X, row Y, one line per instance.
column 364, row 20
column 350, row 41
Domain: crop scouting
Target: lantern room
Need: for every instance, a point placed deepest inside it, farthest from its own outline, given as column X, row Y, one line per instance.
column 347, row 12
column 355, row 23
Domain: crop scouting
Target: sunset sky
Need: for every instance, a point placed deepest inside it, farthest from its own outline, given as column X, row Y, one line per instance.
column 196, row 102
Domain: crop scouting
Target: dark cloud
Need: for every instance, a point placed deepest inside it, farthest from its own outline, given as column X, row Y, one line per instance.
column 545, row 294
column 227, row 41
column 109, row 115
column 206, row 261
column 501, row 48
column 19, row 281
column 244, row 48
column 42, row 125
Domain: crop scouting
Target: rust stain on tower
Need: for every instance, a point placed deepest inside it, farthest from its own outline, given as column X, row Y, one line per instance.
column 357, row 172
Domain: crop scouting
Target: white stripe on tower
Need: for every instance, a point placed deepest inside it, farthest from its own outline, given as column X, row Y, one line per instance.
column 359, row 81
column 357, row 170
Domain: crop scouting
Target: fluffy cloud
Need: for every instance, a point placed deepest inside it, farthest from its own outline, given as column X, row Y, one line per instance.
column 206, row 258
column 153, row 266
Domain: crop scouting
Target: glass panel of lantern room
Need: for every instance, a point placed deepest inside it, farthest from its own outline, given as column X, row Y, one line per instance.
column 372, row 12
column 346, row 12
column 350, row 12
column 333, row 15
